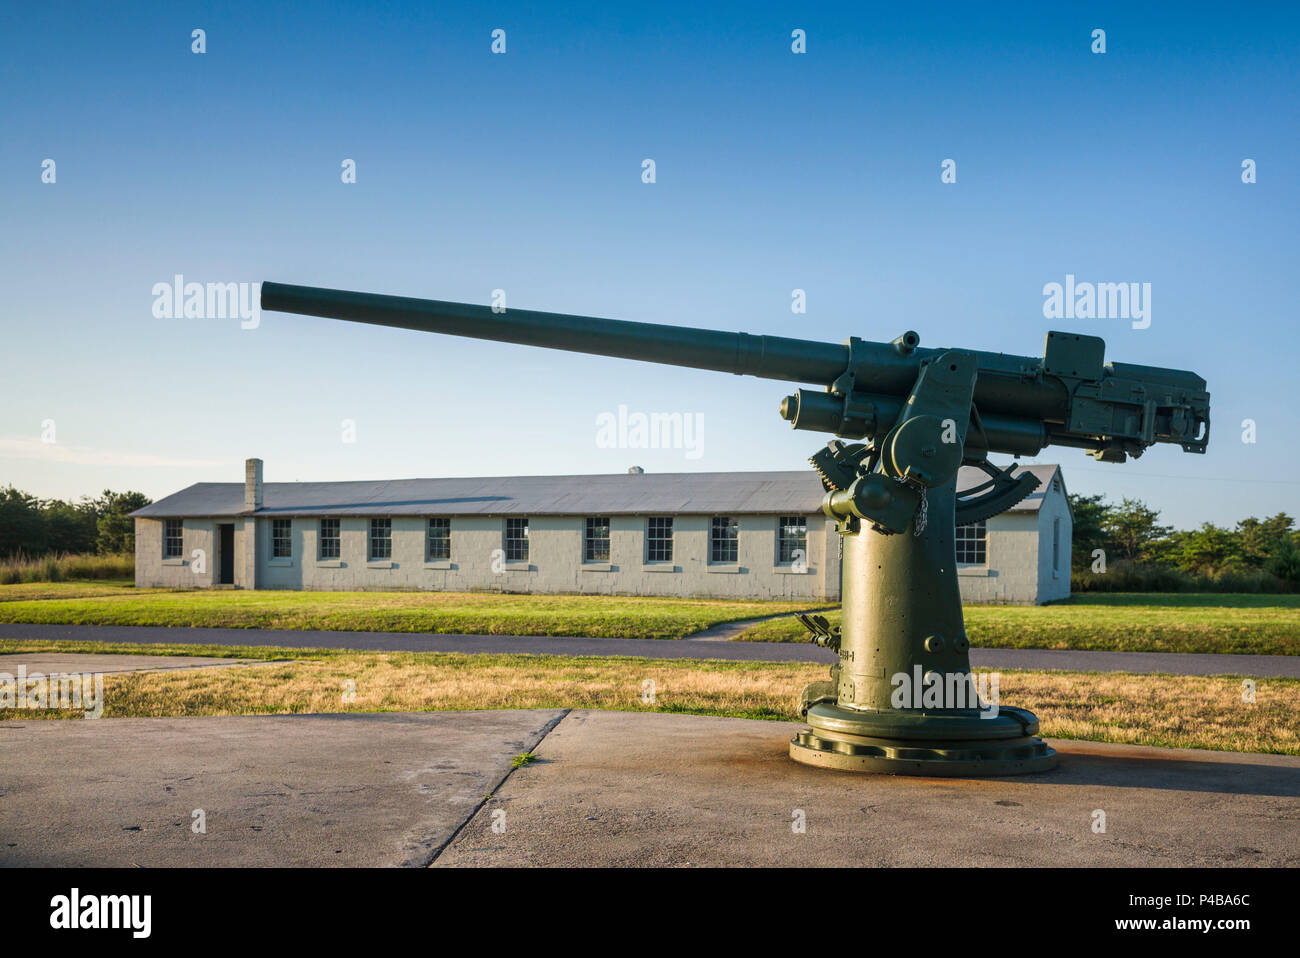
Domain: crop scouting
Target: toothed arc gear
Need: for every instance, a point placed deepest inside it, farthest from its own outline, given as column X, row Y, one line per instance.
column 995, row 496
column 838, row 464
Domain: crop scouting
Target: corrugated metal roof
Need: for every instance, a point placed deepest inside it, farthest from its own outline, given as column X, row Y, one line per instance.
column 780, row 493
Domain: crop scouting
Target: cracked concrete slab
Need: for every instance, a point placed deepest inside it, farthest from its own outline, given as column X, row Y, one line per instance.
column 349, row 789
column 631, row 788
column 607, row 788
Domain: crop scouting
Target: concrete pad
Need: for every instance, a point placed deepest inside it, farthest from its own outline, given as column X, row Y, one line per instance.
column 362, row 789
column 638, row 788
column 62, row 663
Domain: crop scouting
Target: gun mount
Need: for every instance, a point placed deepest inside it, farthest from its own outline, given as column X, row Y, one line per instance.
column 914, row 417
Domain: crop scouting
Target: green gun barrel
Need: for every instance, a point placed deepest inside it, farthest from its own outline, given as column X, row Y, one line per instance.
column 1067, row 397
column 768, row 357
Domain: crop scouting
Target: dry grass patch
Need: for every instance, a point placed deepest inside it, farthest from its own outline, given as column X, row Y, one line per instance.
column 438, row 681
column 1158, row 710
column 1178, row 711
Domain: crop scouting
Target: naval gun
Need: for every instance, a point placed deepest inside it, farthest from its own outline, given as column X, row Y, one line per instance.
column 905, row 418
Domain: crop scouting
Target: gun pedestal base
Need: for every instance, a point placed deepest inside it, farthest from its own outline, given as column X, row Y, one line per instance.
column 907, row 742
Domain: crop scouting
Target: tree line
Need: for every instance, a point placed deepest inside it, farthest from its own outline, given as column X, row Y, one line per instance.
column 1124, row 547
column 98, row 525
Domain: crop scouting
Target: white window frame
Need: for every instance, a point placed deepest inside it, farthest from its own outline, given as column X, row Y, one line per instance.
column 592, row 544
column 286, row 539
column 336, row 539
column 660, row 543
column 730, row 542
column 975, row 536
column 444, row 525
column 383, row 525
column 786, row 544
column 168, row 539
column 517, row 543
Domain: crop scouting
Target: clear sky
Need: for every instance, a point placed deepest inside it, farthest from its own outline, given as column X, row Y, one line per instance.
column 522, row 171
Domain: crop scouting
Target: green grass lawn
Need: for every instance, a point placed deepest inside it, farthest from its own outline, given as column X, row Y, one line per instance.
column 97, row 603
column 1134, row 622
column 1123, row 622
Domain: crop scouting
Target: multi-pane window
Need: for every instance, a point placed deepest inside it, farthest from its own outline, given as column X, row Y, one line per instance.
column 173, row 541
column 330, row 545
column 971, row 540
column 281, row 538
column 659, row 539
column 792, row 537
column 381, row 539
column 724, row 539
column 516, row 540
column 439, row 539
column 595, row 544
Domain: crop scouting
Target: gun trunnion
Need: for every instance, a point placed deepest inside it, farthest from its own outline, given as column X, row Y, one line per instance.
column 913, row 416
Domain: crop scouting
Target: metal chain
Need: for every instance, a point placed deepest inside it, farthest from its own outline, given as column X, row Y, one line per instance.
column 922, row 506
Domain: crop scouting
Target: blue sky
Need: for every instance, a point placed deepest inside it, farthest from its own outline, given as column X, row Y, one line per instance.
column 522, row 172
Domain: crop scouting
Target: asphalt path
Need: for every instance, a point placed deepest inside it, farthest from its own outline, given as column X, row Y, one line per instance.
column 1174, row 663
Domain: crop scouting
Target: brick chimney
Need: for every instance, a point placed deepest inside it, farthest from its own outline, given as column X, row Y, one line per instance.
column 252, row 484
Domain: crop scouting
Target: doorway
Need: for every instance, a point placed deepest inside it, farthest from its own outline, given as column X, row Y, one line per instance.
column 226, row 554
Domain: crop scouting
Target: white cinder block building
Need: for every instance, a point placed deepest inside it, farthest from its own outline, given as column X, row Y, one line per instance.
column 736, row 534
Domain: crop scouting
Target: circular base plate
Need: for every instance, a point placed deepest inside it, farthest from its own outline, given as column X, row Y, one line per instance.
column 966, row 759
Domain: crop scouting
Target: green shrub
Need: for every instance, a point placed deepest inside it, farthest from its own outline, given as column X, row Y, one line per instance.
column 1126, row 576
